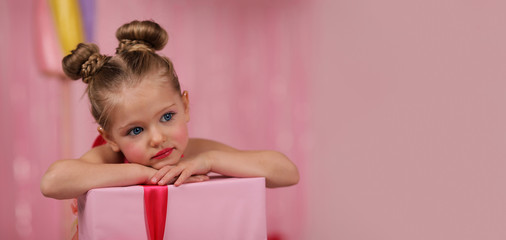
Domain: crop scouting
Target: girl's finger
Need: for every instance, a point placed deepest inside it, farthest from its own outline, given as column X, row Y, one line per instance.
column 202, row 178
column 182, row 177
column 197, row 178
column 159, row 174
column 172, row 173
column 171, row 181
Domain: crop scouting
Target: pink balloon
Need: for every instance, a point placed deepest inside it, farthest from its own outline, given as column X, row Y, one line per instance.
column 47, row 48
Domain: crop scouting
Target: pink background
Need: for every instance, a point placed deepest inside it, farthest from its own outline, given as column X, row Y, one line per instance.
column 393, row 110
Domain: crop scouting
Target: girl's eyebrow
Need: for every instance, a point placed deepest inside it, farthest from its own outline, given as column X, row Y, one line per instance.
column 164, row 109
column 130, row 124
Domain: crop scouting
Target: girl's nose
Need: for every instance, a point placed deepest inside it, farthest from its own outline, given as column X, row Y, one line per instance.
column 157, row 138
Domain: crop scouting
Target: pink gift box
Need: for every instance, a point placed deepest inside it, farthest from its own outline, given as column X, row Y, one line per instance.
column 221, row 208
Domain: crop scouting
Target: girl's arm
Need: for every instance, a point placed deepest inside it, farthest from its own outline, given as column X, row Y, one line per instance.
column 203, row 156
column 277, row 169
column 98, row 168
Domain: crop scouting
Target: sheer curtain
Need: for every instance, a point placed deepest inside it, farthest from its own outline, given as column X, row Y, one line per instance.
column 30, row 122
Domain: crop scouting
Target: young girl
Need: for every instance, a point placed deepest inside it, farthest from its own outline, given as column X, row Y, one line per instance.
column 142, row 115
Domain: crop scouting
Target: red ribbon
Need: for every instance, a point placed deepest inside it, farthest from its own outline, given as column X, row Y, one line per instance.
column 155, row 210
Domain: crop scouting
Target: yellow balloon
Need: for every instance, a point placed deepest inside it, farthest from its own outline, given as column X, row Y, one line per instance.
column 68, row 22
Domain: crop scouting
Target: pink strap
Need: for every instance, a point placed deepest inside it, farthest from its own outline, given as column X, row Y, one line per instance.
column 155, row 206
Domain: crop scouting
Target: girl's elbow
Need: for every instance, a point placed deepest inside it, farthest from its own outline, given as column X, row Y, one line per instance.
column 49, row 182
column 50, row 189
column 286, row 173
column 296, row 177
column 286, row 181
column 292, row 172
column 293, row 176
column 47, row 186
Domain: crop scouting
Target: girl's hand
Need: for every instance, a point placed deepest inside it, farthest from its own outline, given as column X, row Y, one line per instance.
column 191, row 179
column 188, row 170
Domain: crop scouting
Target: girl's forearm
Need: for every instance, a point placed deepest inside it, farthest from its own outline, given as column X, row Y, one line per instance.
column 70, row 178
column 277, row 169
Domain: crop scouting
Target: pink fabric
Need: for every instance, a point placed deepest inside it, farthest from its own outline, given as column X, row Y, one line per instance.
column 155, row 210
column 221, row 209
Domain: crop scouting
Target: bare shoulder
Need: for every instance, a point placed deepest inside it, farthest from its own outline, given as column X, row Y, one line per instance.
column 199, row 145
column 102, row 154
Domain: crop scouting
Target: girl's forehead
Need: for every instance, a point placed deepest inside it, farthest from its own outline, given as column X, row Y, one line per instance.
column 147, row 99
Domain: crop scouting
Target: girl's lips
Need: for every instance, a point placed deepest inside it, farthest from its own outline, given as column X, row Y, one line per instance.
column 163, row 154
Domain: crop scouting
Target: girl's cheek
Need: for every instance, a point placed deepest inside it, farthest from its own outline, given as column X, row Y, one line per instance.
column 134, row 154
column 180, row 135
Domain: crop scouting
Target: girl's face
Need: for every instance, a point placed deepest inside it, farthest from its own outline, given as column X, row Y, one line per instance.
column 148, row 125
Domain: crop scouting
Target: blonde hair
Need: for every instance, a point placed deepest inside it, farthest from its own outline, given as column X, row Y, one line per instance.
column 135, row 58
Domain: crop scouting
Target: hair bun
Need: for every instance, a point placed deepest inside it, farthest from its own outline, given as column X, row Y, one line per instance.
column 83, row 62
column 92, row 65
column 141, row 35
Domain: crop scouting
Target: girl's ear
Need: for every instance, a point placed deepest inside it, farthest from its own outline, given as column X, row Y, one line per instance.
column 186, row 103
column 108, row 139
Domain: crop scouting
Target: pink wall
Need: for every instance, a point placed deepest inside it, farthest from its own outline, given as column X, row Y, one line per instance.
column 409, row 110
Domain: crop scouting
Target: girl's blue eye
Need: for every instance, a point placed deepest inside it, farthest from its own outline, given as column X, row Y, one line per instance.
column 135, row 131
column 167, row 117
